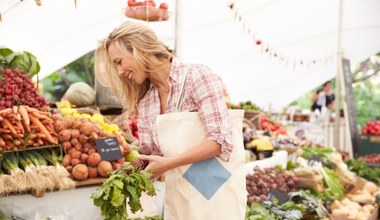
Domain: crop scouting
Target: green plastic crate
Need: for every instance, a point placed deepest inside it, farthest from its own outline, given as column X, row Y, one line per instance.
column 369, row 144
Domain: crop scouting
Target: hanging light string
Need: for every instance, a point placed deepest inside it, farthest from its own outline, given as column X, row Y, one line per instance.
column 264, row 48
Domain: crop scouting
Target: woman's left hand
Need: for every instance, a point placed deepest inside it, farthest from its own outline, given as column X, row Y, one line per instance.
column 158, row 165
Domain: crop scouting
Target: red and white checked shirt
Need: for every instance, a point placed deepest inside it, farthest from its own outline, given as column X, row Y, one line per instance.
column 203, row 94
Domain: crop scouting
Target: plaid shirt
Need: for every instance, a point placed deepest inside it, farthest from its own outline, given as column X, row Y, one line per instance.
column 203, row 94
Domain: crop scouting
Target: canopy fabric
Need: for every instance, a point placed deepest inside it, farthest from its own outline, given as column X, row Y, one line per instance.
column 298, row 31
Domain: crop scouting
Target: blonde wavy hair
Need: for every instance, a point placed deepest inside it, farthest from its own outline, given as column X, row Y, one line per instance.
column 141, row 42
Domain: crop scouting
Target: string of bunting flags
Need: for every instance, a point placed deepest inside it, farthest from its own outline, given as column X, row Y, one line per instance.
column 293, row 63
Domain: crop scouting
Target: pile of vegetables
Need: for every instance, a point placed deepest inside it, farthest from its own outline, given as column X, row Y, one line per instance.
column 23, row 126
column 362, row 169
column 33, row 170
column 262, row 180
column 17, row 89
column 24, row 61
column 124, row 186
column 78, row 136
column 268, row 125
column 372, row 159
column 372, row 128
column 358, row 204
column 300, row 206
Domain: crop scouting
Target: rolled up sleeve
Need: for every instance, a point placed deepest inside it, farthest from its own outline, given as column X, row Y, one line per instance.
column 207, row 91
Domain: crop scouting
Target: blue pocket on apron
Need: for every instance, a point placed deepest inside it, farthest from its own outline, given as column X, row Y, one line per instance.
column 207, row 176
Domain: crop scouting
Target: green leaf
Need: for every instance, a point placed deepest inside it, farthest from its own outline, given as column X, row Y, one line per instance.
column 117, row 197
column 118, row 183
column 98, row 202
column 34, row 67
column 4, row 52
column 132, row 191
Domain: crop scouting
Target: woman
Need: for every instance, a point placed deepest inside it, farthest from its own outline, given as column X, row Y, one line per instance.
column 147, row 79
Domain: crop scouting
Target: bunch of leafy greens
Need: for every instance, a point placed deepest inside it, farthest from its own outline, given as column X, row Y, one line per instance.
column 24, row 61
column 301, row 205
column 362, row 169
column 257, row 211
column 123, row 184
column 322, row 153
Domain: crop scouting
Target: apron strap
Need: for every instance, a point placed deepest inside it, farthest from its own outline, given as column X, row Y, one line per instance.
column 182, row 94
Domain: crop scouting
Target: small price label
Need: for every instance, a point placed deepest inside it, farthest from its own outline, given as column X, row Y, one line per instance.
column 108, row 148
column 280, row 196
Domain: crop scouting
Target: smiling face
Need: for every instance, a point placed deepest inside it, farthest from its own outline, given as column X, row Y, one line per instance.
column 126, row 65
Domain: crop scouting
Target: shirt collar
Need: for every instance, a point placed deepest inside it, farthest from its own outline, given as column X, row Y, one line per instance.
column 174, row 73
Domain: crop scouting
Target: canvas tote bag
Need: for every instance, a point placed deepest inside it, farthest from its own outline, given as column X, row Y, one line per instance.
column 208, row 190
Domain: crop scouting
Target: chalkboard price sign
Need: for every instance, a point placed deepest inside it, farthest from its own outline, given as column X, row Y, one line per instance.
column 280, row 196
column 108, row 148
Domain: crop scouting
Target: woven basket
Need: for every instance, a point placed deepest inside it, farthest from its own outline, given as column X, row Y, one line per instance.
column 254, row 118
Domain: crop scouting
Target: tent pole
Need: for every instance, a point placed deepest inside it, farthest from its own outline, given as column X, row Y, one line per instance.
column 338, row 77
column 178, row 28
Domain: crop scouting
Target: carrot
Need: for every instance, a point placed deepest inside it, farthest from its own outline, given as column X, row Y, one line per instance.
column 42, row 129
column 27, row 127
column 8, row 145
column 3, row 130
column 7, row 136
column 19, row 124
column 40, row 135
column 5, row 111
column 31, row 109
column 24, row 114
column 18, row 135
column 40, row 116
column 40, row 142
column 32, row 136
column 2, row 142
column 15, row 109
column 9, row 125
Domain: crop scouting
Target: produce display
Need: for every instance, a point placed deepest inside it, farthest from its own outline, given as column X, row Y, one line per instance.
column 78, row 136
column 33, row 170
column 301, row 205
column 23, row 126
column 262, row 180
column 372, row 128
column 248, row 105
column 147, row 10
column 271, row 126
column 17, row 89
column 362, row 169
column 372, row 159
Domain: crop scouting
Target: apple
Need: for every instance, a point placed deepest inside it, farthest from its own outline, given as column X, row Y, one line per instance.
column 132, row 156
column 132, row 3
column 164, row 6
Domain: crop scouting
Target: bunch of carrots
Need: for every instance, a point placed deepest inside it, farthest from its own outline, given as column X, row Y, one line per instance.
column 22, row 126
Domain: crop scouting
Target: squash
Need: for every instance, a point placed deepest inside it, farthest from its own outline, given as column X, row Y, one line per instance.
column 80, row 94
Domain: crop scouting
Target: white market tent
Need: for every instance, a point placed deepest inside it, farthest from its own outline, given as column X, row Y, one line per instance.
column 214, row 34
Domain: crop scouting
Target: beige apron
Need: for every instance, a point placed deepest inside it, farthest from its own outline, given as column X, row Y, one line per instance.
column 208, row 190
